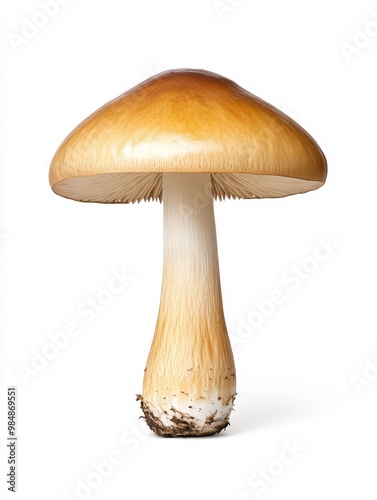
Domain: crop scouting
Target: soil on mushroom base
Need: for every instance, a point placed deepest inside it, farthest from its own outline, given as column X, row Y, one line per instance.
column 184, row 425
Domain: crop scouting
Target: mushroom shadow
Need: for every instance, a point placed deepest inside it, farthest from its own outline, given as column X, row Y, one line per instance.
column 260, row 414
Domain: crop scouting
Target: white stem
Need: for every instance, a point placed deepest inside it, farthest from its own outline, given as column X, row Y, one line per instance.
column 189, row 382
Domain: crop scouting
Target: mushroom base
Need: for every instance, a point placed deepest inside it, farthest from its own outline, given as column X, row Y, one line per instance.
column 176, row 423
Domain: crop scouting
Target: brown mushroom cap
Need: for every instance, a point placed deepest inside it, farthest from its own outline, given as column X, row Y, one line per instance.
column 186, row 121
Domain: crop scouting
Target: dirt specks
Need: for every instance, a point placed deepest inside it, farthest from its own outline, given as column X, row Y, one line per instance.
column 176, row 423
column 210, row 418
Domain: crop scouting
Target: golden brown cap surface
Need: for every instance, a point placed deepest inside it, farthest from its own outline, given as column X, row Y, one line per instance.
column 186, row 121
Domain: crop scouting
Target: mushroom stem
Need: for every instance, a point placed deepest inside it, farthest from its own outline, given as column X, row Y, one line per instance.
column 189, row 380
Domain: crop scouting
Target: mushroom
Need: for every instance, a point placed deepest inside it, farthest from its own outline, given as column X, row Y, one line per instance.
column 186, row 137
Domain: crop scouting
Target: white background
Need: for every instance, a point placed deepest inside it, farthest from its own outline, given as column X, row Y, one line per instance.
column 296, row 370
